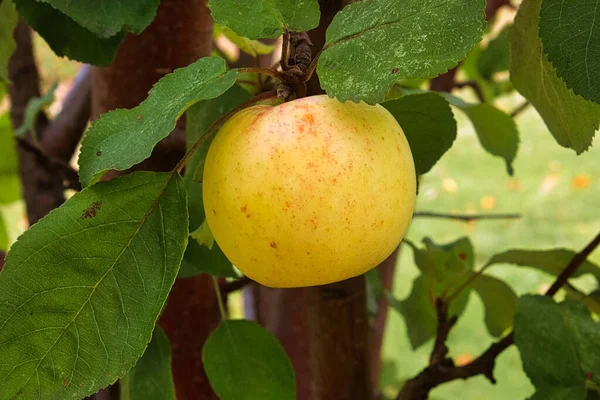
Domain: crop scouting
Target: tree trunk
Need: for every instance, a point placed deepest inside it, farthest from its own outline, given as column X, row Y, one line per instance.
column 179, row 35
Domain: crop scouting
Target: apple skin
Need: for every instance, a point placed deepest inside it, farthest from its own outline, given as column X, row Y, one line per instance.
column 309, row 192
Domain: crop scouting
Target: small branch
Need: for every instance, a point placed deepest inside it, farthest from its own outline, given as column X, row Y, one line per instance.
column 440, row 350
column 572, row 267
column 233, row 286
column 61, row 137
column 465, row 217
column 313, row 65
column 2, row 258
column 215, row 281
column 285, row 46
column 519, row 109
column 69, row 176
column 267, row 71
column 435, row 374
column 263, row 96
column 473, row 85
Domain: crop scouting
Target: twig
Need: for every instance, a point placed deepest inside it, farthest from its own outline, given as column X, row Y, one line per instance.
column 61, row 137
column 263, row 96
column 440, row 350
column 519, row 109
column 464, row 217
column 267, row 71
column 219, row 297
column 234, row 286
column 473, row 85
column 69, row 175
column 2, row 258
column 285, row 45
column 572, row 267
column 435, row 374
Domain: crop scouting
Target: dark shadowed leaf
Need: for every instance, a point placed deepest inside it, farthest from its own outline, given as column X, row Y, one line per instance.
column 201, row 259
column 496, row 130
column 8, row 21
column 571, row 119
column 106, row 18
column 265, row 18
column 571, row 36
column 34, row 107
column 81, row 290
column 550, row 261
column 500, row 303
column 496, row 56
column 373, row 43
column 243, row 361
column 151, row 377
column 66, row 37
column 559, row 345
column 122, row 138
column 440, row 265
column 9, row 164
column 428, row 124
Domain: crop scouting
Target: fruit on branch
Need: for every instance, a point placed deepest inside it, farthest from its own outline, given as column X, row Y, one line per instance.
column 309, row 192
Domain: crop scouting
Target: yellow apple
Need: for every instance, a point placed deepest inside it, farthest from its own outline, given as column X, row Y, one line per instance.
column 309, row 192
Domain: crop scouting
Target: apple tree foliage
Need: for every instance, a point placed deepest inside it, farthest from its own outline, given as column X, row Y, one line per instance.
column 82, row 289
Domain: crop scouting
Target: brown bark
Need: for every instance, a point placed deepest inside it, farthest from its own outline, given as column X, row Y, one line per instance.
column 42, row 189
column 61, row 138
column 179, row 35
column 386, row 272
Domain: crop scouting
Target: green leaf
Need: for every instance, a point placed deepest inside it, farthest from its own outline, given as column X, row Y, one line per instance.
column 82, row 288
column 151, row 377
column 440, row 265
column 106, row 18
column 252, row 47
column 202, row 260
column 572, row 120
column 66, row 37
column 559, row 345
column 500, row 303
column 3, row 235
column 203, row 236
column 266, row 18
column 371, row 44
column 551, row 261
column 245, row 362
column 496, row 130
column 10, row 182
column 121, row 138
column 8, row 21
column 429, row 126
column 199, row 117
column 418, row 311
column 34, row 107
column 496, row 56
column 570, row 34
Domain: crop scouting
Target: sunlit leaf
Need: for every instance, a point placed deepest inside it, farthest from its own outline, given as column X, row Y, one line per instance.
column 371, row 44
column 122, row 138
column 571, row 119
